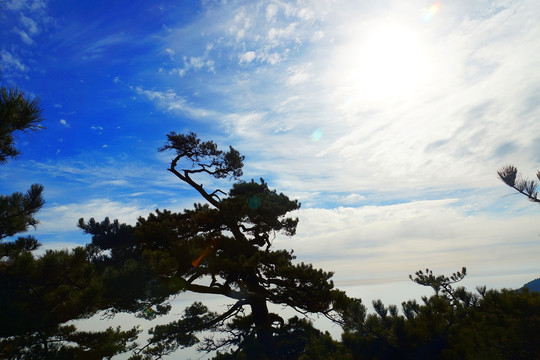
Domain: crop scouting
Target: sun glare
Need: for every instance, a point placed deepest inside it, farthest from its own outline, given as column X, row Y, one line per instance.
column 384, row 61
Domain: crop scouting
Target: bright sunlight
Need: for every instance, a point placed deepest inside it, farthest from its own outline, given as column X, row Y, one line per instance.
column 381, row 62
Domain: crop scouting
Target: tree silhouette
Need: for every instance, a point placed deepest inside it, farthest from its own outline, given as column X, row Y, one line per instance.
column 39, row 294
column 453, row 323
column 17, row 114
column 221, row 247
column 510, row 176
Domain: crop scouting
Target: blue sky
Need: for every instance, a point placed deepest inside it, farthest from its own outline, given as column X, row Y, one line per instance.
column 387, row 119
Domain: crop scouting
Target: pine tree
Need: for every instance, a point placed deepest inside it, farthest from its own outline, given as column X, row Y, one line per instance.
column 17, row 114
column 39, row 294
column 510, row 176
column 453, row 323
column 223, row 246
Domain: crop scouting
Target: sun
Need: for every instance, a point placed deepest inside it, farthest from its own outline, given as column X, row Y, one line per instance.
column 382, row 61
column 391, row 61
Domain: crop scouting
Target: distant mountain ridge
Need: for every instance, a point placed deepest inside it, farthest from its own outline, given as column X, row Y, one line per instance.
column 533, row 285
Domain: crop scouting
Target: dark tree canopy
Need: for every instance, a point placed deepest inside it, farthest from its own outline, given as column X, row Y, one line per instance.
column 17, row 211
column 17, row 114
column 221, row 247
column 451, row 324
column 39, row 294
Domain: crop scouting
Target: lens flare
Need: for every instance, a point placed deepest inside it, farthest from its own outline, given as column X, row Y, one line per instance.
column 212, row 246
column 317, row 135
column 254, row 202
column 431, row 11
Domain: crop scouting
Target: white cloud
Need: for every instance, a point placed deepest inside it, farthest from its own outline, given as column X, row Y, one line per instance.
column 349, row 199
column 24, row 36
column 272, row 58
column 306, row 14
column 170, row 52
column 270, row 32
column 246, row 125
column 97, row 48
column 445, row 129
column 371, row 243
column 271, row 12
column 64, row 123
column 121, row 182
column 247, row 57
column 296, row 76
column 172, row 102
column 10, row 61
column 15, row 4
column 56, row 246
column 32, row 19
column 97, row 128
column 194, row 63
column 317, row 35
column 38, row 5
column 35, row 5
column 89, row 174
column 276, row 34
column 58, row 218
column 242, row 24
column 30, row 24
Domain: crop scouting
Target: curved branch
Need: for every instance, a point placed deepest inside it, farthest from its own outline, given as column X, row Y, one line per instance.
column 215, row 194
column 185, row 178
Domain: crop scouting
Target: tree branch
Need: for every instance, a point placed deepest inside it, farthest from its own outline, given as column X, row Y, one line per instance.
column 201, row 289
column 232, row 311
column 185, row 178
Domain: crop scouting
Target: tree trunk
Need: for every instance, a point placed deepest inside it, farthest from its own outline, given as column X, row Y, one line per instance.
column 263, row 325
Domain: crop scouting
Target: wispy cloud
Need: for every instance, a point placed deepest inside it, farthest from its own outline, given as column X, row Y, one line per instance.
column 360, row 243
column 24, row 36
column 30, row 28
column 247, row 57
column 194, row 63
column 27, row 20
column 55, row 218
column 96, row 49
column 29, row 24
column 11, row 62
column 391, row 142
column 33, row 5
column 171, row 101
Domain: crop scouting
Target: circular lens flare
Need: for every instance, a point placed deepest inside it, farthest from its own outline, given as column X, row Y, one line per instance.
column 317, row 135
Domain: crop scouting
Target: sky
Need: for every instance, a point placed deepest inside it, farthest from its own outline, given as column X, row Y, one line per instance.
column 387, row 120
